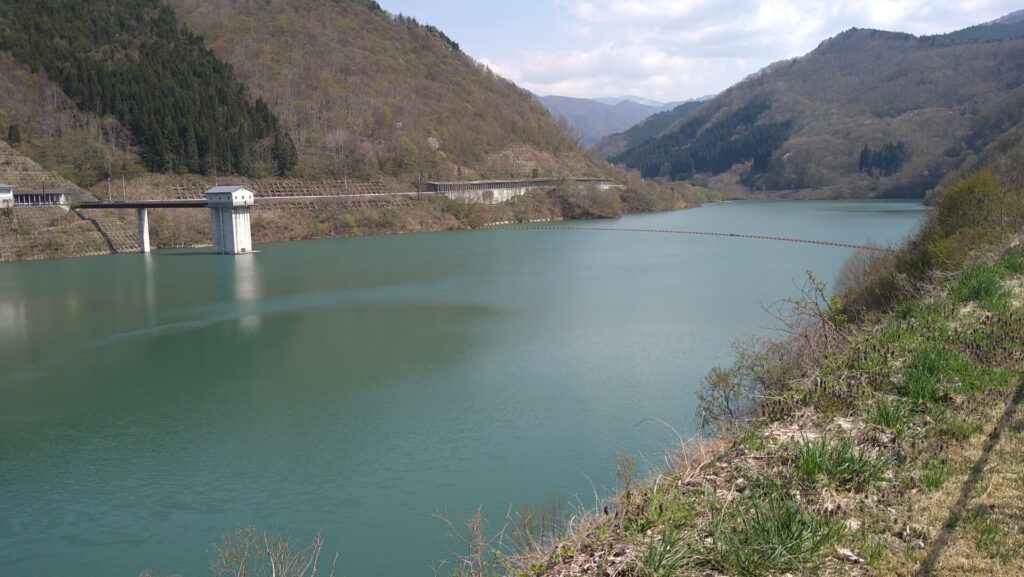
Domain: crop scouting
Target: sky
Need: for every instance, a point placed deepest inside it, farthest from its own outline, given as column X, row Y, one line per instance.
column 667, row 50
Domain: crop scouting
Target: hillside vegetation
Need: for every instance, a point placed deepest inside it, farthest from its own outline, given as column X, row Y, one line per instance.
column 132, row 60
column 45, row 125
column 364, row 92
column 804, row 123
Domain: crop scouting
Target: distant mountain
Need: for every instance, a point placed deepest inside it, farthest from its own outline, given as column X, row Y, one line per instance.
column 594, row 119
column 630, row 98
column 650, row 127
column 867, row 113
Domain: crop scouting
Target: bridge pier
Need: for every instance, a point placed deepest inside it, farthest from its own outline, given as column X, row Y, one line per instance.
column 143, row 216
column 230, row 208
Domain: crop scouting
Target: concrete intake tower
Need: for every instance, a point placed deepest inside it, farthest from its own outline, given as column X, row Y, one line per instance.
column 230, row 208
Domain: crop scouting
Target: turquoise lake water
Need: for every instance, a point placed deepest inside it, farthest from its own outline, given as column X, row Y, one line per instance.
column 148, row 403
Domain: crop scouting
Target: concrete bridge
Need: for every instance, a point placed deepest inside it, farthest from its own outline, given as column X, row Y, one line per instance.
column 230, row 223
column 231, row 205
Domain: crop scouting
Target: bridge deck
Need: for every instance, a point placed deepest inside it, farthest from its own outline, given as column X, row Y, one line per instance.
column 201, row 202
column 191, row 203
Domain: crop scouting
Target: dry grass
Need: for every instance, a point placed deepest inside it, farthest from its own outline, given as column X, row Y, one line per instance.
column 975, row 520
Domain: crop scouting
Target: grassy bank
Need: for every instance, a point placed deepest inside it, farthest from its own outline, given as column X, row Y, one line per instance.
column 887, row 448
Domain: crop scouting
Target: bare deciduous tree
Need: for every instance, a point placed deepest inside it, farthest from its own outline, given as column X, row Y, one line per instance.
column 249, row 553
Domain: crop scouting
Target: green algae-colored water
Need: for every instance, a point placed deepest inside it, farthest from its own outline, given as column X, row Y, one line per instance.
column 148, row 403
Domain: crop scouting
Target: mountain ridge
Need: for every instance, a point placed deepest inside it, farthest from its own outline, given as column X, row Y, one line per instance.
column 943, row 98
column 613, row 100
column 594, row 118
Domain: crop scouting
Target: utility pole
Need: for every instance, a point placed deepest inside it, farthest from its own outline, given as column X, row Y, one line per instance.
column 124, row 189
column 108, row 188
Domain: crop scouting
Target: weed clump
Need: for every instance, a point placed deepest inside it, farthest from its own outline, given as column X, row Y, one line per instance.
column 928, row 372
column 934, row 475
column 890, row 414
column 981, row 284
column 840, row 462
column 667, row 554
column 770, row 535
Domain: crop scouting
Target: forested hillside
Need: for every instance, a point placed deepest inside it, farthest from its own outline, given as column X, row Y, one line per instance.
column 133, row 61
column 650, row 127
column 866, row 113
column 45, row 125
column 366, row 93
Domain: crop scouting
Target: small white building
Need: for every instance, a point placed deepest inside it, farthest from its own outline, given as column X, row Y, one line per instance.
column 230, row 195
column 6, row 195
column 230, row 208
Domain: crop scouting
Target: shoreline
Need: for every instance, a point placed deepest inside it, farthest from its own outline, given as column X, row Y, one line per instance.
column 45, row 233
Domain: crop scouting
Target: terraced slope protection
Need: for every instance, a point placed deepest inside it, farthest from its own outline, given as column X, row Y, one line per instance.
column 22, row 172
column 38, row 232
column 806, row 123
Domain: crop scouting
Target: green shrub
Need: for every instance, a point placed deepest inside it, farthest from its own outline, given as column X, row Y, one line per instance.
column 347, row 222
column 974, row 213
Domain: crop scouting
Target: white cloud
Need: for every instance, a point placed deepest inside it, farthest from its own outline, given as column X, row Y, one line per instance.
column 675, row 49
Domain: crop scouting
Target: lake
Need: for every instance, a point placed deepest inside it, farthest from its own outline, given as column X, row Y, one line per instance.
column 358, row 386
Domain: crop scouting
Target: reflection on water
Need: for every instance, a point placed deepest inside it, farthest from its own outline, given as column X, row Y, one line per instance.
column 13, row 320
column 151, row 304
column 247, row 293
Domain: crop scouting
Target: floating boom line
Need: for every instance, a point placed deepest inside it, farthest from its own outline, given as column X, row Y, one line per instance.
column 704, row 233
